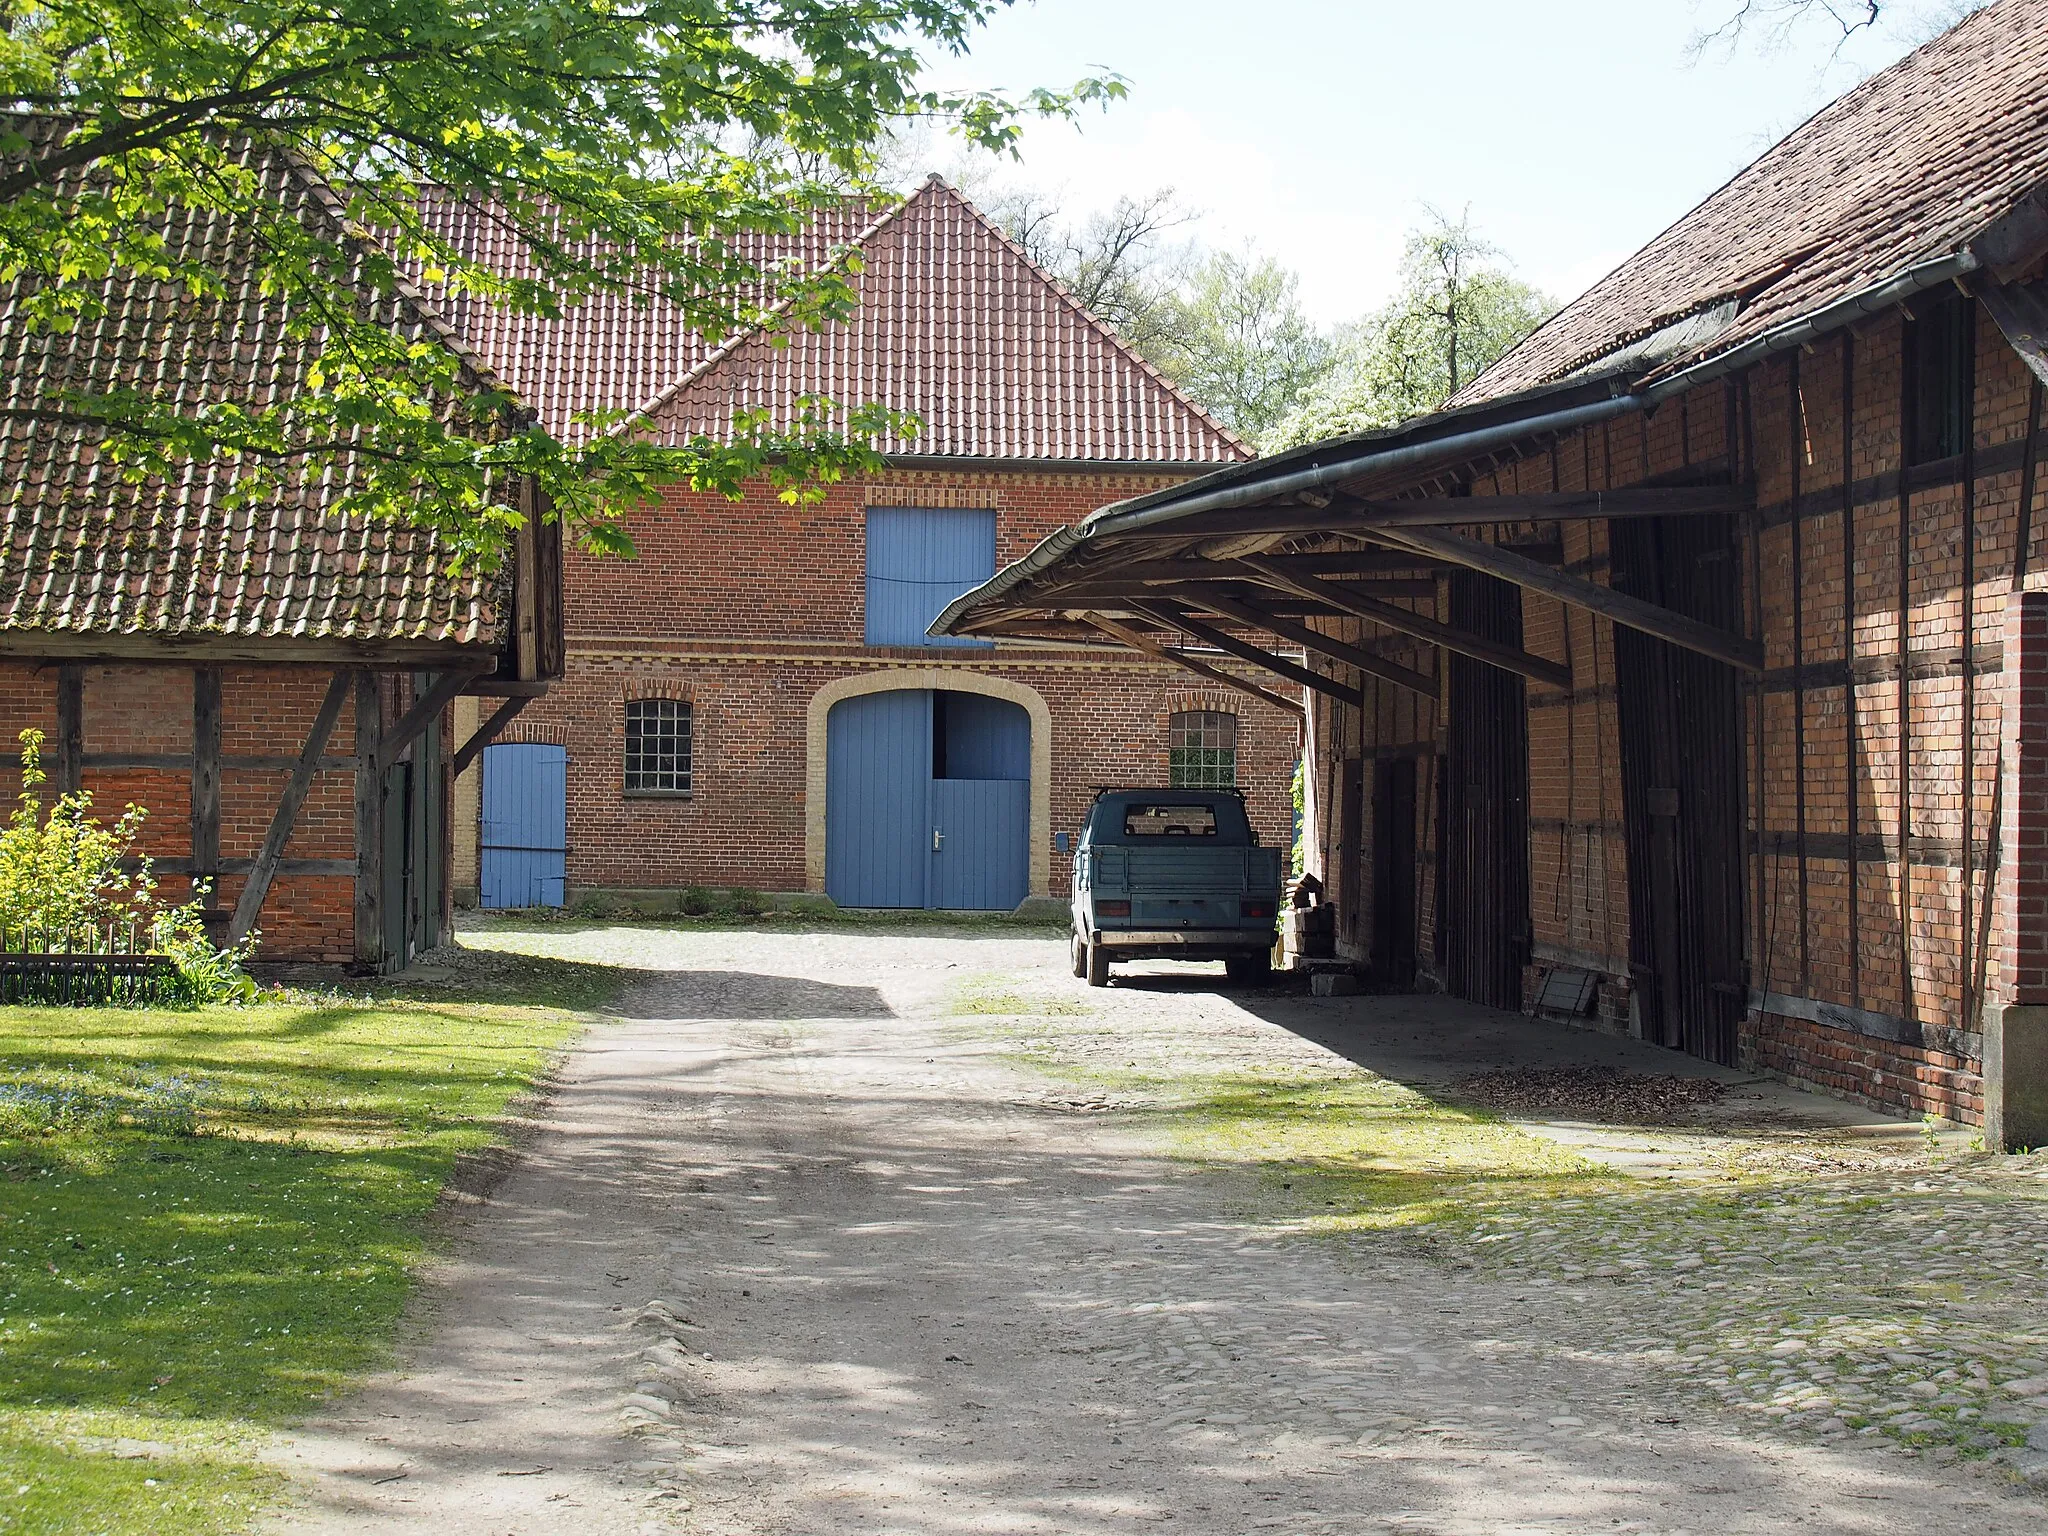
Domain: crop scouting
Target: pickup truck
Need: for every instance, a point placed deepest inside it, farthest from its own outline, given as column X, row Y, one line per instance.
column 1173, row 873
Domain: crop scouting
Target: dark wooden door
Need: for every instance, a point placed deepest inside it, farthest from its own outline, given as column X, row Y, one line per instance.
column 1484, row 872
column 1393, row 871
column 1682, row 787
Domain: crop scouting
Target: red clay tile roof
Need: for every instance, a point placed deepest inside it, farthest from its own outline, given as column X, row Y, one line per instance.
column 85, row 554
column 1905, row 168
column 955, row 324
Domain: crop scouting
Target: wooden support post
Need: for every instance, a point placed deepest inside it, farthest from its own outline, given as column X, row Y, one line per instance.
column 206, row 706
column 1968, row 1019
column 1686, row 633
column 70, row 744
column 1795, row 404
column 1244, row 650
column 250, row 904
column 484, row 735
column 1849, row 711
column 1387, row 616
column 1310, row 639
column 369, row 918
column 1139, row 641
column 1905, row 695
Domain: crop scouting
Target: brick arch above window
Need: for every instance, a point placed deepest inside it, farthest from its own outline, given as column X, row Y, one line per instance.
column 682, row 690
column 1184, row 701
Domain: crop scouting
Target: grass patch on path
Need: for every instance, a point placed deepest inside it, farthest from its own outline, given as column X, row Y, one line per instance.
column 1352, row 1151
column 209, row 1221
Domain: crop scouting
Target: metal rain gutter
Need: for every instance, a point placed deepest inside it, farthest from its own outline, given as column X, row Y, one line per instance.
column 1793, row 333
column 1459, row 445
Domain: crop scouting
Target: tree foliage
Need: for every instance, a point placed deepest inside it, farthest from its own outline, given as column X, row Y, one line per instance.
column 619, row 144
column 1458, row 309
column 1239, row 342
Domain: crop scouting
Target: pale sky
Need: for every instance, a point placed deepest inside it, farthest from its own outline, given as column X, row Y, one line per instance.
column 1575, row 129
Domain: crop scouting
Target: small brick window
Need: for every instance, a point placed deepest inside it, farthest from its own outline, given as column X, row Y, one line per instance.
column 1202, row 749
column 657, row 747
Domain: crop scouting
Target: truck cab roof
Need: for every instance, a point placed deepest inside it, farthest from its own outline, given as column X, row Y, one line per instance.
column 1169, row 817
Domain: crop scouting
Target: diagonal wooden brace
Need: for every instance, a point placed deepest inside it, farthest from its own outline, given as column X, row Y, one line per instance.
column 1359, row 605
column 1686, row 633
column 250, row 903
column 1244, row 650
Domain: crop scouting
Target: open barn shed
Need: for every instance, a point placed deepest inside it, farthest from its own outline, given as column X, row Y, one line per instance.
column 1687, row 669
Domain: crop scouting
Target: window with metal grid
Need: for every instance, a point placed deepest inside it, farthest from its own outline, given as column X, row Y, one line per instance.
column 1202, row 749
column 657, row 747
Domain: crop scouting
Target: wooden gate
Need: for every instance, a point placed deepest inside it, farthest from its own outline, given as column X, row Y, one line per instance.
column 927, row 801
column 1483, row 877
column 1682, row 786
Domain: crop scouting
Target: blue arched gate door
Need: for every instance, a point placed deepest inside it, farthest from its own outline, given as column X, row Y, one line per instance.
column 927, row 801
column 524, row 846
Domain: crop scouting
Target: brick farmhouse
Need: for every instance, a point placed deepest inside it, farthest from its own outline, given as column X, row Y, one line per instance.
column 753, row 701
column 1725, row 718
column 269, row 678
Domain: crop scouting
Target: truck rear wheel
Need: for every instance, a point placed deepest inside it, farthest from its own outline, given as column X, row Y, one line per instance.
column 1098, row 966
column 1249, row 970
column 1078, row 948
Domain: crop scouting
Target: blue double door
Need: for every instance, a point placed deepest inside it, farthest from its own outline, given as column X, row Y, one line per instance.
column 524, row 847
column 927, row 801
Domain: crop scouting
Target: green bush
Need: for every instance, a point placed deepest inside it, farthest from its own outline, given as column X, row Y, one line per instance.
column 696, row 902
column 69, row 883
column 748, row 902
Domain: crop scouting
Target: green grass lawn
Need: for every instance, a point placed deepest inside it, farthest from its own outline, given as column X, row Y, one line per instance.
column 208, row 1222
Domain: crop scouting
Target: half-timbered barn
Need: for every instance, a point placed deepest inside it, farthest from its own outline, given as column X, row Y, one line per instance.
column 267, row 677
column 1724, row 720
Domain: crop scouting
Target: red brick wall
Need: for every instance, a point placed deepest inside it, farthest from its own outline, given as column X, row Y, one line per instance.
column 744, row 821
column 748, row 609
column 135, row 711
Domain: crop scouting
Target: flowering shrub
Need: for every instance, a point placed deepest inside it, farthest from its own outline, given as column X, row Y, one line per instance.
column 69, row 883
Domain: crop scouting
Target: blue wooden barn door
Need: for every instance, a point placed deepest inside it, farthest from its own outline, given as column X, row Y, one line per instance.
column 878, row 771
column 525, row 841
column 981, row 803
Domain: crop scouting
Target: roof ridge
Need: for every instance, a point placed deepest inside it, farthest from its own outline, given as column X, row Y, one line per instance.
column 1102, row 327
column 744, row 334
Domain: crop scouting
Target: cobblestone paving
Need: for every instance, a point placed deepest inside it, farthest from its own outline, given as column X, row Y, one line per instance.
column 919, row 1236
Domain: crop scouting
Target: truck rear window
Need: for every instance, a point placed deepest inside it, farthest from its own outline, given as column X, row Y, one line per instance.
column 1169, row 821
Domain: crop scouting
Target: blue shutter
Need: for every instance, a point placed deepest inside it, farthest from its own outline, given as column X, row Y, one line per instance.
column 919, row 560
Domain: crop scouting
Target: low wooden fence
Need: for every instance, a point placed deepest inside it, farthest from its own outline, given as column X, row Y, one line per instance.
column 104, row 966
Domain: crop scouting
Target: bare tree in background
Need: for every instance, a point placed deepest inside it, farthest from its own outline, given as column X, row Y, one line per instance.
column 1773, row 25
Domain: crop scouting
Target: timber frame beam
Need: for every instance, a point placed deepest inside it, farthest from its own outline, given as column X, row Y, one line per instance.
column 425, row 710
column 1143, row 643
column 1360, row 605
column 1337, row 650
column 1244, row 650
column 1689, row 634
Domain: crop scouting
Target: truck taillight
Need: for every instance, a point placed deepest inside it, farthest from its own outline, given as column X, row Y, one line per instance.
column 1255, row 909
column 1112, row 909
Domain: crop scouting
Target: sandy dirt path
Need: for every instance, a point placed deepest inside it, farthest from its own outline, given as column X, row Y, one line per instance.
column 798, row 1252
